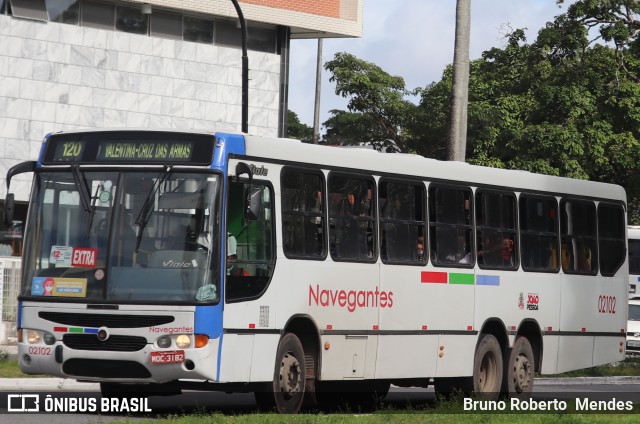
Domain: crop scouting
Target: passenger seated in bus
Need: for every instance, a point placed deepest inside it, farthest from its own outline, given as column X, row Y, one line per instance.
column 496, row 251
column 584, row 259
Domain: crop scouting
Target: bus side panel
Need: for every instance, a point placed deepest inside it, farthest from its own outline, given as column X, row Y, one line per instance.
column 575, row 352
column 262, row 364
column 407, row 356
column 424, row 299
column 457, row 356
column 550, row 346
column 236, row 357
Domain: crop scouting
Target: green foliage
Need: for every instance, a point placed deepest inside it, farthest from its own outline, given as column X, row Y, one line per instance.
column 298, row 130
column 378, row 112
column 565, row 104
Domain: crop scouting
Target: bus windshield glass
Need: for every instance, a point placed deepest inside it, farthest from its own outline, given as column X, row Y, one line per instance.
column 143, row 236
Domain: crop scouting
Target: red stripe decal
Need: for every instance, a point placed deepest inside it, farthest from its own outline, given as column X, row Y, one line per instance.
column 433, row 277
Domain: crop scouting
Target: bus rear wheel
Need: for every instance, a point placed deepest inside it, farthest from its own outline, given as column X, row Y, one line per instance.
column 487, row 367
column 286, row 392
column 520, row 368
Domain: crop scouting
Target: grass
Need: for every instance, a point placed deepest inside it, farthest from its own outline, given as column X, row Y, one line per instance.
column 628, row 367
column 9, row 368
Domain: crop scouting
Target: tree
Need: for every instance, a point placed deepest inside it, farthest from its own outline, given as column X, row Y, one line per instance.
column 297, row 129
column 561, row 105
column 376, row 104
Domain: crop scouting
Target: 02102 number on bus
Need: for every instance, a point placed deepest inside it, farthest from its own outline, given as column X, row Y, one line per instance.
column 606, row 304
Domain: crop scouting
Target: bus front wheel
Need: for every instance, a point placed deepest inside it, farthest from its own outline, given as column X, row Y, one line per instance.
column 286, row 392
column 487, row 367
column 519, row 370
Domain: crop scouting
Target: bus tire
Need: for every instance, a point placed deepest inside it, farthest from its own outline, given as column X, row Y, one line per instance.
column 519, row 368
column 286, row 392
column 487, row 367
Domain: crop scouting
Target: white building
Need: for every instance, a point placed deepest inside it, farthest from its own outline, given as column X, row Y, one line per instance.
column 69, row 64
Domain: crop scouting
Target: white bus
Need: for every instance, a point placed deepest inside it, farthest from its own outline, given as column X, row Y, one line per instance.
column 633, row 235
column 160, row 261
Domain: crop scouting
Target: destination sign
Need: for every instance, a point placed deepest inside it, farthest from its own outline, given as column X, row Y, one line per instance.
column 141, row 151
column 130, row 147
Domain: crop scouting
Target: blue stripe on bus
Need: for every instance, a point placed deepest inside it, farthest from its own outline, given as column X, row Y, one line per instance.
column 488, row 280
column 227, row 144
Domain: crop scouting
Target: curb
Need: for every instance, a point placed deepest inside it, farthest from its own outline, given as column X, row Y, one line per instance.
column 41, row 384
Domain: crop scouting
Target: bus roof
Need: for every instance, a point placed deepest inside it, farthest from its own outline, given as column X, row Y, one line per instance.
column 369, row 160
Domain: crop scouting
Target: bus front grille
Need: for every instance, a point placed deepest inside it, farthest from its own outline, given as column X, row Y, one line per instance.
column 114, row 343
column 105, row 320
column 102, row 368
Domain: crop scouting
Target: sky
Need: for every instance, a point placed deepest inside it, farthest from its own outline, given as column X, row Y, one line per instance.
column 413, row 39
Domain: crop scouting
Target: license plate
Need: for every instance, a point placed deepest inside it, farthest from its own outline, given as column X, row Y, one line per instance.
column 169, row 357
column 633, row 343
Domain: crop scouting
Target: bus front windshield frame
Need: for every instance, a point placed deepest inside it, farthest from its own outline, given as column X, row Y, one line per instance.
column 139, row 236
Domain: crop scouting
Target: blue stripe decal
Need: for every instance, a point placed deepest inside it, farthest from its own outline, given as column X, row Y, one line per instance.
column 91, row 330
column 488, row 280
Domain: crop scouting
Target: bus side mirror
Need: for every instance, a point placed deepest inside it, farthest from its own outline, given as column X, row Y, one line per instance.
column 253, row 204
column 9, row 206
column 9, row 203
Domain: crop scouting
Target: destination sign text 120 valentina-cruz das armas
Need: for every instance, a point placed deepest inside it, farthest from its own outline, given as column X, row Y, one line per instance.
column 141, row 151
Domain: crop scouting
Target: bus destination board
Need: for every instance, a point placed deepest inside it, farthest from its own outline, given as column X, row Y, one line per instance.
column 130, row 147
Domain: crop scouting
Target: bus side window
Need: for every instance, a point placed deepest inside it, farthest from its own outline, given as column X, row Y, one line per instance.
column 351, row 218
column 303, row 216
column 611, row 238
column 496, row 229
column 402, row 223
column 539, row 233
column 450, row 225
column 578, row 231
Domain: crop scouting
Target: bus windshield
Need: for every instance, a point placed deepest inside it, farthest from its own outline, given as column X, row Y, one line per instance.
column 143, row 236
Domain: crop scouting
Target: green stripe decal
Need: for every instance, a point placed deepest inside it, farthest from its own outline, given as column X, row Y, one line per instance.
column 461, row 278
column 76, row 330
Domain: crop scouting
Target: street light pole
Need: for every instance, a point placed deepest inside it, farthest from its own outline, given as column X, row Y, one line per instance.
column 245, row 69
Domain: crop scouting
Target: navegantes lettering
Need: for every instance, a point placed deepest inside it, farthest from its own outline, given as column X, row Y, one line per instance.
column 351, row 299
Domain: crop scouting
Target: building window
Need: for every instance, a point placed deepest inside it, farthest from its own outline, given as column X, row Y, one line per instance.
column 98, row 15
column 402, row 222
column 450, row 226
column 539, row 233
column 166, row 25
column 611, row 235
column 303, row 218
column 578, row 243
column 29, row 9
column 197, row 30
column 65, row 12
column 261, row 39
column 129, row 19
column 351, row 218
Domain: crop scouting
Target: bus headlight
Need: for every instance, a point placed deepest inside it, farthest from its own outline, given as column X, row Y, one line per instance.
column 183, row 341
column 33, row 337
column 164, row 342
column 49, row 338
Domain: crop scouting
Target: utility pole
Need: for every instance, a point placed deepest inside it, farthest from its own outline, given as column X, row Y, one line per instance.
column 245, row 68
column 316, row 108
column 460, row 88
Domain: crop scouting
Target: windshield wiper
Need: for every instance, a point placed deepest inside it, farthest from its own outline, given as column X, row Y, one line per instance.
column 81, row 185
column 147, row 207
